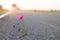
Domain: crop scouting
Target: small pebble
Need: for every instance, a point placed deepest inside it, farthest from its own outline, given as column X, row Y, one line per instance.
column 19, row 30
column 17, row 36
column 14, row 26
column 52, row 36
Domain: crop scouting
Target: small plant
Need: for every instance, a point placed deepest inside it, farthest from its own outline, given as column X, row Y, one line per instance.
column 20, row 17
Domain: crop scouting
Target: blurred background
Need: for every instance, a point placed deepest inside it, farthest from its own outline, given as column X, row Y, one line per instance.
column 32, row 4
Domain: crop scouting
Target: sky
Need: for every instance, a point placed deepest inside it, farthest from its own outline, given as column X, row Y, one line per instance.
column 32, row 4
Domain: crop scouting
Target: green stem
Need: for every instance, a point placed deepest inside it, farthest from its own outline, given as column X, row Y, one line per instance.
column 23, row 29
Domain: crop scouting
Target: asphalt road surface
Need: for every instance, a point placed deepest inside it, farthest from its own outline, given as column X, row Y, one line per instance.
column 38, row 26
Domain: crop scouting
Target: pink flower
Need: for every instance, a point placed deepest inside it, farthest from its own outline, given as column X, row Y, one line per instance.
column 20, row 17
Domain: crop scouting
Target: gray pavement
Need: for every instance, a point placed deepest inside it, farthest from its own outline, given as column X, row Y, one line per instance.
column 38, row 26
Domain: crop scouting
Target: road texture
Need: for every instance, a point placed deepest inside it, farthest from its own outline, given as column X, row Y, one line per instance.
column 39, row 26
